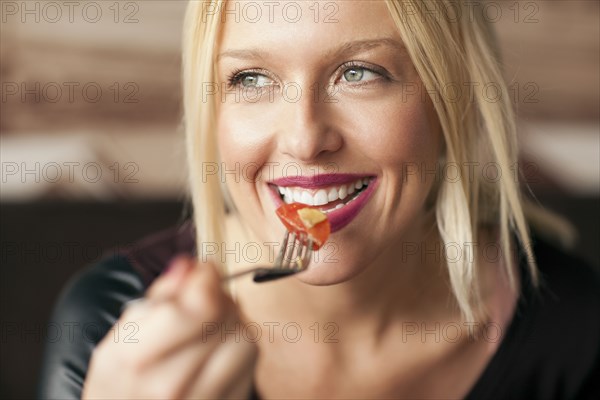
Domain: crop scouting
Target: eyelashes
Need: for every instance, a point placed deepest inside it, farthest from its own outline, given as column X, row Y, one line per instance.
column 378, row 72
column 236, row 78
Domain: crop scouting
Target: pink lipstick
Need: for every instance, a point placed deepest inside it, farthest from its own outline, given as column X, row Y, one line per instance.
column 340, row 196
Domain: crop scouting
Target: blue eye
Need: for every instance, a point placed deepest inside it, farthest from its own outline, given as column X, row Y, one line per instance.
column 356, row 74
column 250, row 80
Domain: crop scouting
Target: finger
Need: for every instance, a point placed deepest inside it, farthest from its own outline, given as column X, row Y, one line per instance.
column 228, row 373
column 163, row 288
column 203, row 296
column 169, row 324
column 169, row 377
column 196, row 310
column 155, row 333
column 177, row 371
column 167, row 285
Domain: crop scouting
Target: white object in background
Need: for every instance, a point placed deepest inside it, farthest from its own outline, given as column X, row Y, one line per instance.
column 104, row 167
column 569, row 153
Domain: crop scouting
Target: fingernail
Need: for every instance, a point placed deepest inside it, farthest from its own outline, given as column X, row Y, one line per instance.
column 178, row 263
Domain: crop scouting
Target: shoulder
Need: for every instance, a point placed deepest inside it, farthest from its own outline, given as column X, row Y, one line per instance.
column 551, row 348
column 559, row 335
column 92, row 301
column 87, row 308
column 569, row 284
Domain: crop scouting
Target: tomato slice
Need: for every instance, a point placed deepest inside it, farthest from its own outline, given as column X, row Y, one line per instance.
column 319, row 232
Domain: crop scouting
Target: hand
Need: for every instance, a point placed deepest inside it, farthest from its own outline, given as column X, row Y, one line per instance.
column 175, row 356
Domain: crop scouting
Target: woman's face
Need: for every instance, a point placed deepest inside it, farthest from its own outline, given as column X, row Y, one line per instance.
column 316, row 99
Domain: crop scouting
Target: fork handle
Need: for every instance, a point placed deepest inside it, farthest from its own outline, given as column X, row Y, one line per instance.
column 244, row 272
column 271, row 274
column 261, row 274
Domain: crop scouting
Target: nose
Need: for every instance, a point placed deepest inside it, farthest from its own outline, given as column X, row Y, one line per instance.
column 308, row 129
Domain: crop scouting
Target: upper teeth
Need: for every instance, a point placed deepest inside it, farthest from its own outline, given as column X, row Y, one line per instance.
column 321, row 196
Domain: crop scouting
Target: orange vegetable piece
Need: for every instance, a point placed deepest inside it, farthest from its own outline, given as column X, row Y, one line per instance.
column 306, row 222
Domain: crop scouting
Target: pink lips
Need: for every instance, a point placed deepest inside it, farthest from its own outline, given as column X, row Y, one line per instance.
column 338, row 218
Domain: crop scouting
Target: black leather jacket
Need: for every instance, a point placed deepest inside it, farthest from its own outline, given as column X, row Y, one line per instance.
column 92, row 302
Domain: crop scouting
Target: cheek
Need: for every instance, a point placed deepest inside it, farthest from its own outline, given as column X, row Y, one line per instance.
column 396, row 133
column 401, row 139
column 241, row 140
column 244, row 147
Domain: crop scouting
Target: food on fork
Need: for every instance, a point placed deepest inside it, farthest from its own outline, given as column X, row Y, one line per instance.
column 311, row 217
column 306, row 222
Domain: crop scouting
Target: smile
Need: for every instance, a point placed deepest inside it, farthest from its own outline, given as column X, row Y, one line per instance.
column 332, row 198
column 341, row 201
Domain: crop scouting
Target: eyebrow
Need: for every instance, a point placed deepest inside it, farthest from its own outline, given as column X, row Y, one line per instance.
column 356, row 46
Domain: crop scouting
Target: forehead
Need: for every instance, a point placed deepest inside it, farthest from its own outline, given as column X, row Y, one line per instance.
column 303, row 24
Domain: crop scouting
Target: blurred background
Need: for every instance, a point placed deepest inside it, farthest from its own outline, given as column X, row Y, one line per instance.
column 92, row 151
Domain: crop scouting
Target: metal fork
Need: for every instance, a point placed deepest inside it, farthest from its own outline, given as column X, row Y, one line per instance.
column 290, row 260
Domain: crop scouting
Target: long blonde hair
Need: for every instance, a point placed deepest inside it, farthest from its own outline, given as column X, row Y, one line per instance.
column 445, row 49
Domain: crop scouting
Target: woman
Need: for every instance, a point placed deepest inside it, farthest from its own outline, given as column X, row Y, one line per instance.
column 429, row 287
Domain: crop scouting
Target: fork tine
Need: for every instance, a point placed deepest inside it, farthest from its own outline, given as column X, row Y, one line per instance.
column 287, row 261
column 282, row 250
column 308, row 254
column 302, row 248
column 305, row 257
column 299, row 251
column 285, row 264
column 303, row 253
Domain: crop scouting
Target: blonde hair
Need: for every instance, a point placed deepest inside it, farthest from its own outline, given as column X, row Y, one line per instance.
column 444, row 50
column 199, row 45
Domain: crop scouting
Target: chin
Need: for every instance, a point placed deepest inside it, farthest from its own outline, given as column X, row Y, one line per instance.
column 326, row 274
